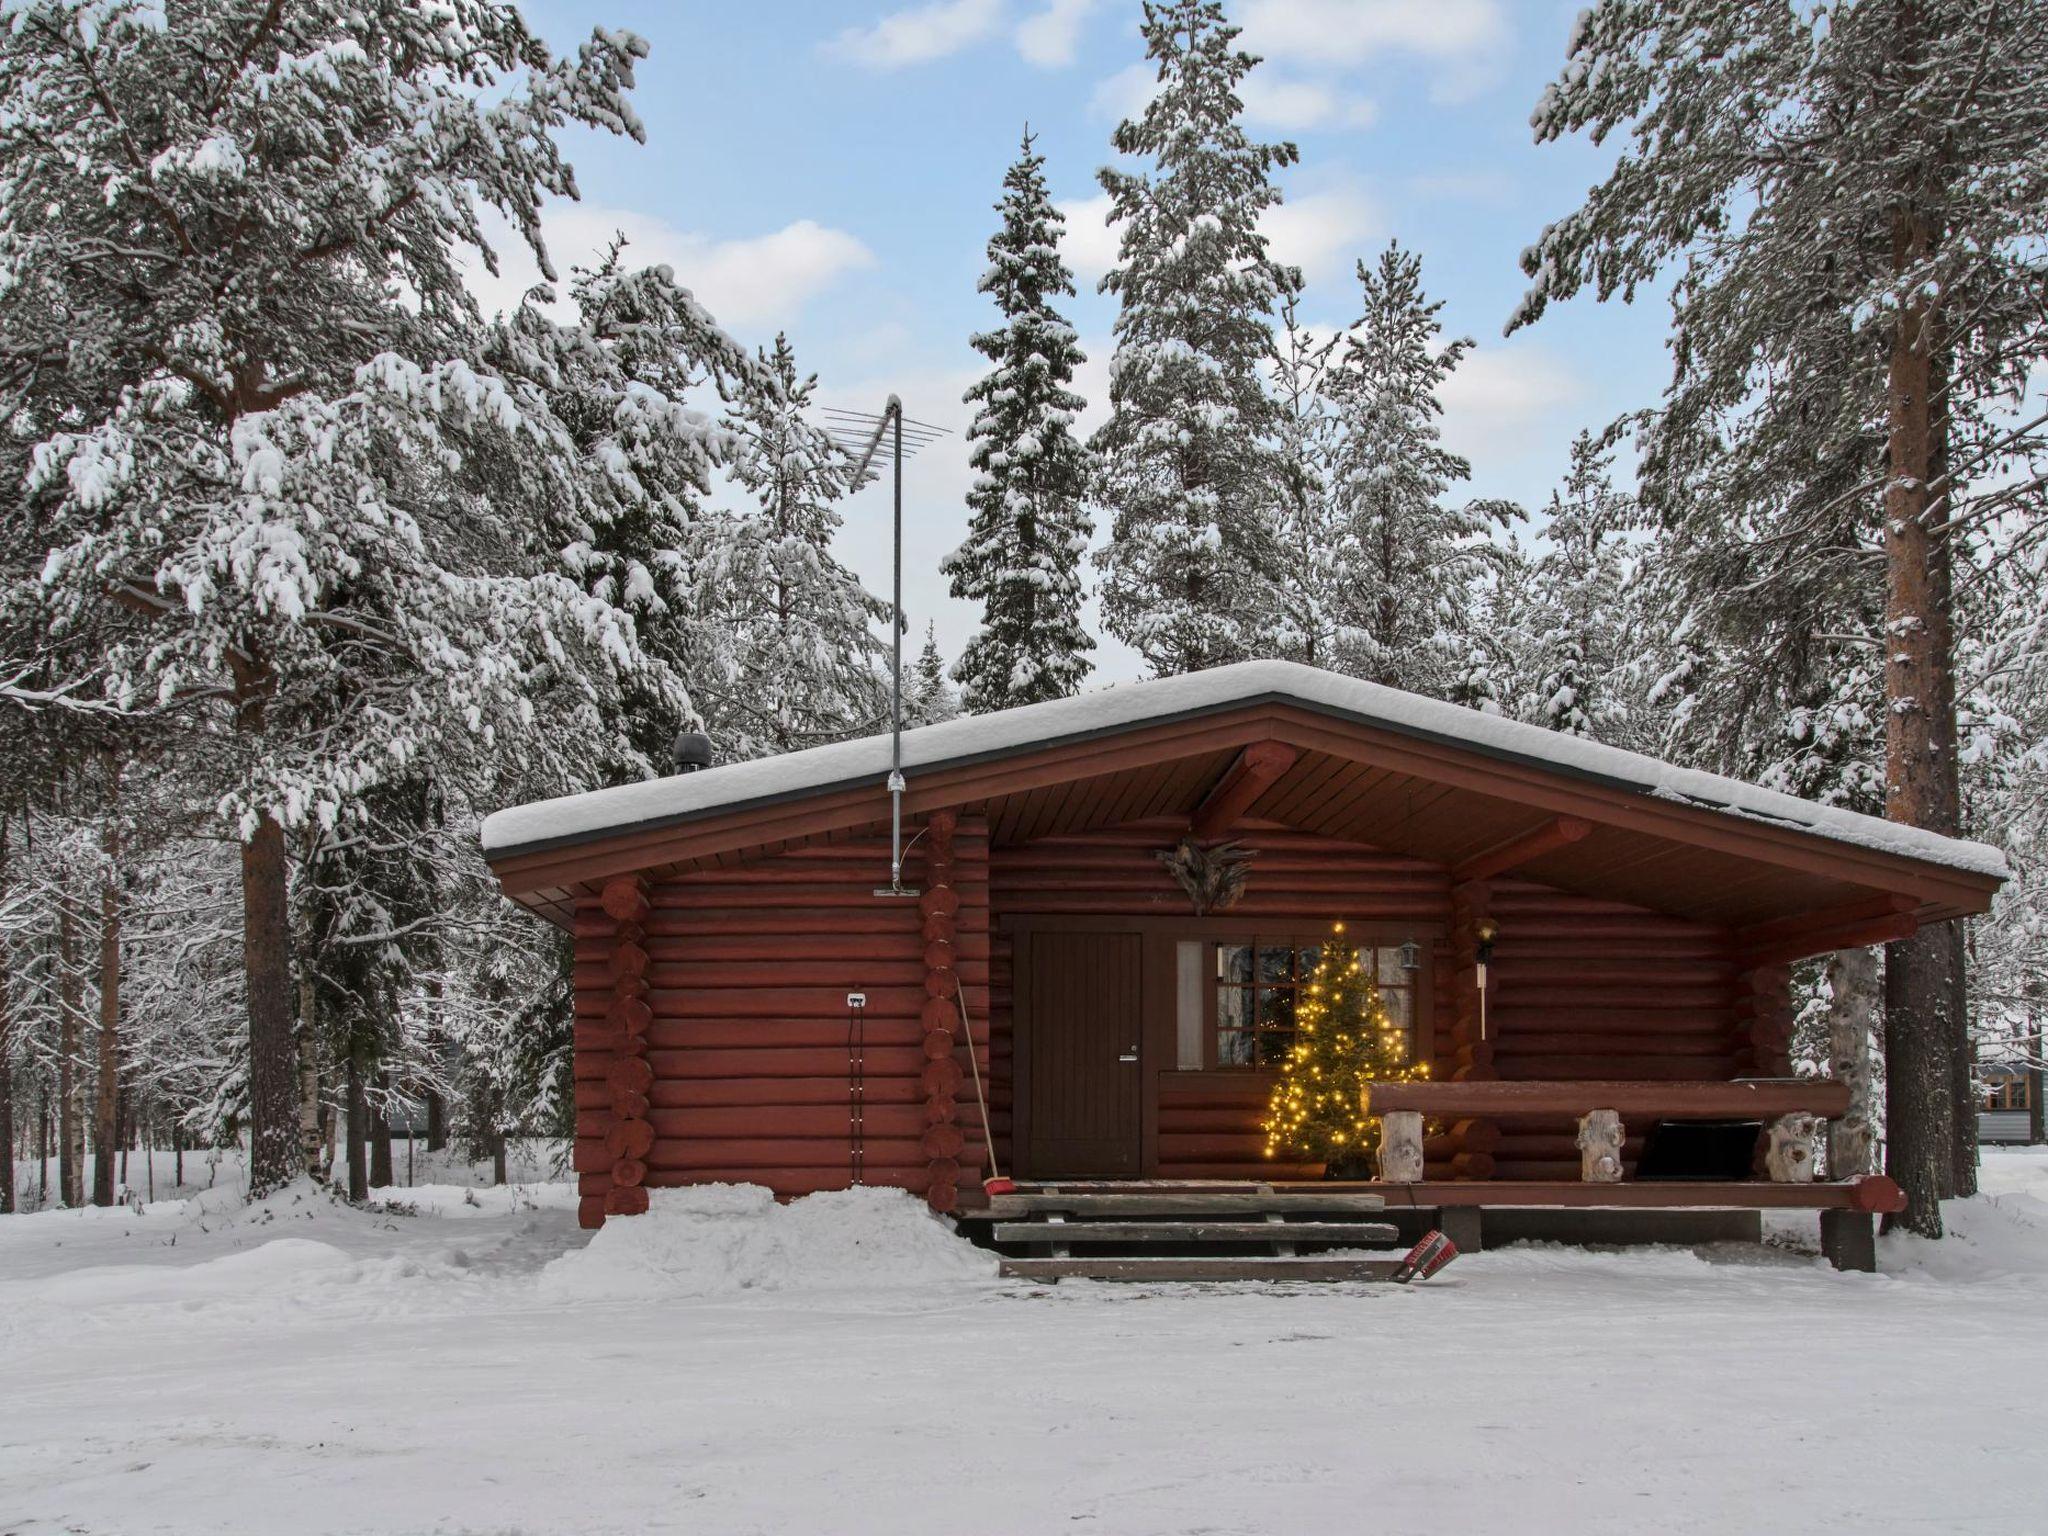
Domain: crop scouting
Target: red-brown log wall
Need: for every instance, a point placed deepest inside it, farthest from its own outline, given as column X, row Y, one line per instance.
column 750, row 968
column 1579, row 987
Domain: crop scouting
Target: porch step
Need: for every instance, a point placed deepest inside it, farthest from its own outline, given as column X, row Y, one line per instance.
column 1164, row 1202
column 1366, row 1234
column 1319, row 1267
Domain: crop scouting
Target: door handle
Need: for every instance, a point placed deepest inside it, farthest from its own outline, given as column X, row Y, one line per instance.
column 1130, row 1055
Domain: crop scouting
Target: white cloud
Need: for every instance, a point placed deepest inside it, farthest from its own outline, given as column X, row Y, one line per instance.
column 1088, row 243
column 1507, row 401
column 1346, row 33
column 1125, row 93
column 1049, row 37
column 1468, row 40
column 922, row 34
column 1322, row 232
column 759, row 280
column 1294, row 105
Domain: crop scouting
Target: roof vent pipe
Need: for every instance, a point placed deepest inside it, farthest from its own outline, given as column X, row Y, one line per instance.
column 692, row 751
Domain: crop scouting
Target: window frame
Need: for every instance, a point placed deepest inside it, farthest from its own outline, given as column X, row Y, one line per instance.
column 1374, row 936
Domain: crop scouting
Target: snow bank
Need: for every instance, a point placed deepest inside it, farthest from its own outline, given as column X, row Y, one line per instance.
column 1120, row 707
column 719, row 1239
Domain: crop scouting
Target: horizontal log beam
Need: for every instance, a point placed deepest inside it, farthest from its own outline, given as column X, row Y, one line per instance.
column 1761, row 1098
column 1826, row 940
column 1522, row 848
column 1257, row 768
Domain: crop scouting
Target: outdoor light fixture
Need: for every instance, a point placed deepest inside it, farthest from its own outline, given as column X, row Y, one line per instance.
column 1484, row 931
column 1411, row 956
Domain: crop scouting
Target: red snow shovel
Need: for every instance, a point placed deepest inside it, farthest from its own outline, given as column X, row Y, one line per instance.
column 1425, row 1259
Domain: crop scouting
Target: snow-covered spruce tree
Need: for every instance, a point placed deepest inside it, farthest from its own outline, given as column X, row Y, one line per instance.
column 928, row 694
column 1410, row 556
column 803, row 647
column 1855, row 201
column 1188, row 467
column 246, row 229
column 1027, row 528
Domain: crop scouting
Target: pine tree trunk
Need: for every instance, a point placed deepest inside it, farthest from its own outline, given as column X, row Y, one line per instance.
column 358, row 1122
column 6, row 1094
column 1919, row 1030
column 7, row 1201
column 70, row 1109
column 107, row 1102
column 43, row 1148
column 1962, row 1172
column 311, row 1141
column 274, row 1157
column 437, row 1120
column 380, row 1136
column 437, row 1106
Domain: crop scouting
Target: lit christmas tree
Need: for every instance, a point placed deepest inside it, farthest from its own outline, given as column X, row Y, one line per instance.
column 1344, row 1037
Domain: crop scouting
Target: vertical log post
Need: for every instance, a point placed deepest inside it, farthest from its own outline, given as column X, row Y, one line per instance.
column 1600, row 1139
column 630, row 1077
column 938, row 907
column 1401, row 1146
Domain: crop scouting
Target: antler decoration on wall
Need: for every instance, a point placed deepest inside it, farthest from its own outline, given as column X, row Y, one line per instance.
column 1213, row 874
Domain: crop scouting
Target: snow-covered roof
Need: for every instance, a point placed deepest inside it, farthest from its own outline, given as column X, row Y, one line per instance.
column 1124, row 706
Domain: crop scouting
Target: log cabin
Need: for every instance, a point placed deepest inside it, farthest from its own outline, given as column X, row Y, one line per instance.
column 1106, row 907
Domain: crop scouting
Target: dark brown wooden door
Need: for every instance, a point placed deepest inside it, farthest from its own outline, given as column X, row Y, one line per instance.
column 1083, row 1039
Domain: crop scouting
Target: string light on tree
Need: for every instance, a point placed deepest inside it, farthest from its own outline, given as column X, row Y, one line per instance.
column 1344, row 1037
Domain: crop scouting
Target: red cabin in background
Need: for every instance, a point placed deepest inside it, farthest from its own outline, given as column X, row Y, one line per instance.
column 1643, row 918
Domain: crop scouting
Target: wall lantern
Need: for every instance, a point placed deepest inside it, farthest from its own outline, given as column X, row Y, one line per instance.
column 1411, row 956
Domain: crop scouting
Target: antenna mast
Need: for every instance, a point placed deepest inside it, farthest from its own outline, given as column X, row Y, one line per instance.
column 891, row 421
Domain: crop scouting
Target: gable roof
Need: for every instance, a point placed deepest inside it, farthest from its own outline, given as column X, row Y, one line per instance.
column 683, row 799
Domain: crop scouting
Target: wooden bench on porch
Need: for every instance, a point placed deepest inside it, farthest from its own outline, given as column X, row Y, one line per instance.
column 1790, row 1110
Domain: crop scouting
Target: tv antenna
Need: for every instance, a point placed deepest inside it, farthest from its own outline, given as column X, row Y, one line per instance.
column 859, row 435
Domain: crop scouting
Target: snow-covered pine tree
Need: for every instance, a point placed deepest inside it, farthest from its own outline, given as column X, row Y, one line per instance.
column 804, row 650
column 1027, row 527
column 1307, row 575
column 623, row 383
column 1583, row 644
column 1856, row 203
column 242, row 234
column 1410, row 556
column 1188, row 467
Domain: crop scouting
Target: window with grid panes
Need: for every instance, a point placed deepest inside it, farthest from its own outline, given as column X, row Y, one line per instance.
column 1259, row 981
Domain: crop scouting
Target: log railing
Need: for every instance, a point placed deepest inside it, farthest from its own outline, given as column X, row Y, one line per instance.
column 1791, row 1108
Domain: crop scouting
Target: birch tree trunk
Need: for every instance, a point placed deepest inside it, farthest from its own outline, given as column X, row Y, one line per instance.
column 1852, row 1020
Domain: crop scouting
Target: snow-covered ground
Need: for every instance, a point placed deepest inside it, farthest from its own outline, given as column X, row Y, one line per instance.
column 475, row 1364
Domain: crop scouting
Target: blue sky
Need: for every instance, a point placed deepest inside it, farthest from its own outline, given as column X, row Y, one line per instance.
column 829, row 168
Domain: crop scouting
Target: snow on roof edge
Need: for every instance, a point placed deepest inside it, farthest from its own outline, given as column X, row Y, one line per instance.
column 571, row 819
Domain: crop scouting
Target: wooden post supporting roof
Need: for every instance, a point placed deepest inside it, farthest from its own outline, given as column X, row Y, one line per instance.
column 1257, row 769
column 1513, row 852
